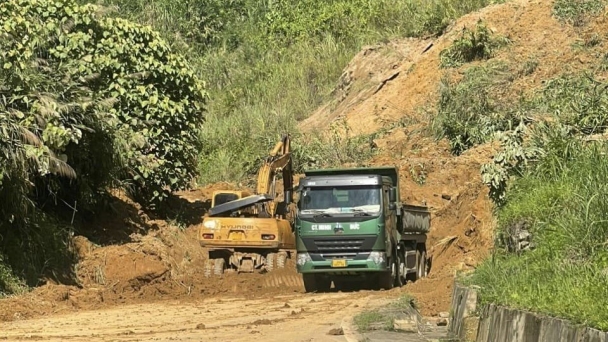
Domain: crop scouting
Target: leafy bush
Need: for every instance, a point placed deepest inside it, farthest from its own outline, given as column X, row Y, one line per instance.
column 85, row 101
column 578, row 106
column 477, row 44
column 578, row 101
column 469, row 112
column 116, row 79
column 511, row 160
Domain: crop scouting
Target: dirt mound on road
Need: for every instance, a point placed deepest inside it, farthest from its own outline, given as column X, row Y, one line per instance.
column 159, row 261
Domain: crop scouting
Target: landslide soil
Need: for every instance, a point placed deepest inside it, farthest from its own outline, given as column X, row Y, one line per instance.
column 390, row 91
column 127, row 256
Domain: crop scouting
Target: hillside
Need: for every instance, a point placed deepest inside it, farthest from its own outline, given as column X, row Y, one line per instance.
column 394, row 104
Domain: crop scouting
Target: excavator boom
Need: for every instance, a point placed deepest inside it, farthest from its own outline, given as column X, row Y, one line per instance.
column 279, row 159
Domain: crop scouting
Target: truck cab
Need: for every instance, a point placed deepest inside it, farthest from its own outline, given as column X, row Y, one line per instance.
column 348, row 229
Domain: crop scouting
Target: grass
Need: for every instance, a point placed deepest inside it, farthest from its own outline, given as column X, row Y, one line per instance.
column 269, row 65
column 383, row 318
column 577, row 12
column 565, row 275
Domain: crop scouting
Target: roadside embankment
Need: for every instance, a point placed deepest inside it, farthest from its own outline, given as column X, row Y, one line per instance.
column 493, row 323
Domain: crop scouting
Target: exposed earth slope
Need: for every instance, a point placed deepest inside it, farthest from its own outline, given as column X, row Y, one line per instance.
column 388, row 90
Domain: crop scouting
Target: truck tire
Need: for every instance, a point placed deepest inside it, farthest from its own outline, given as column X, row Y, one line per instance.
column 387, row 279
column 421, row 267
column 316, row 283
column 400, row 279
column 421, row 263
column 209, row 265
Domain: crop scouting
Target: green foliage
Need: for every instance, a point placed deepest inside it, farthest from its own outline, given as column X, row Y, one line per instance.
column 477, row 44
column 565, row 207
column 339, row 148
column 270, row 64
column 117, row 79
column 512, row 159
column 9, row 283
column 578, row 105
column 470, row 112
column 580, row 102
column 384, row 317
column 85, row 101
column 577, row 12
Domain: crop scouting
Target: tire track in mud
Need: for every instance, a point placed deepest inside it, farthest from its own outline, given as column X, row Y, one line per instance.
column 293, row 281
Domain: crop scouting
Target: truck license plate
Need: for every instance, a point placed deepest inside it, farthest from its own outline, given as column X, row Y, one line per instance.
column 338, row 263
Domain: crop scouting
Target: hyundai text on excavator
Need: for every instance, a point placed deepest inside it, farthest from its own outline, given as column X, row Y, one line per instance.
column 245, row 232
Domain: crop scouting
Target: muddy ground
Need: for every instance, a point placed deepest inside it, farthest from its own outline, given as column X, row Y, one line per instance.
column 140, row 277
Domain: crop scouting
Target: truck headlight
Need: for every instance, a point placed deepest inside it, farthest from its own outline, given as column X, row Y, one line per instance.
column 209, row 224
column 303, row 258
column 377, row 257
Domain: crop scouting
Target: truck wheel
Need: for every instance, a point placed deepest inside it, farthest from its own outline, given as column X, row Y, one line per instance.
column 315, row 283
column 388, row 278
column 270, row 260
column 219, row 267
column 281, row 259
column 400, row 278
column 421, row 271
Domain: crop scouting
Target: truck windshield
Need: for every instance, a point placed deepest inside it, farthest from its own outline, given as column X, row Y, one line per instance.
column 328, row 200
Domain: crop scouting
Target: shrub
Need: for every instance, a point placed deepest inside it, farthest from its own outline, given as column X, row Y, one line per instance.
column 469, row 112
column 86, row 101
column 477, row 44
column 118, row 84
column 577, row 12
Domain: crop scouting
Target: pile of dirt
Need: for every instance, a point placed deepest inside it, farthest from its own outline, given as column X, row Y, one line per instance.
column 158, row 261
column 391, row 90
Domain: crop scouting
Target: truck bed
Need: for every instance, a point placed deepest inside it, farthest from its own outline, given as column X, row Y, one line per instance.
column 414, row 219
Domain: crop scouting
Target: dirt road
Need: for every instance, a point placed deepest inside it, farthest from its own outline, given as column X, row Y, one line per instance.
column 293, row 317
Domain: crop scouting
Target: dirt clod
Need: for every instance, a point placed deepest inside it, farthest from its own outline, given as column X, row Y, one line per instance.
column 262, row 322
column 200, row 326
column 336, row 332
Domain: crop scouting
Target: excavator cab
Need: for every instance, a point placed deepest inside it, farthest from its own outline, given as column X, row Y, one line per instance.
column 223, row 196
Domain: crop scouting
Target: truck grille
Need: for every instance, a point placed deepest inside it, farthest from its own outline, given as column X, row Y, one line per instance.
column 338, row 246
column 343, row 247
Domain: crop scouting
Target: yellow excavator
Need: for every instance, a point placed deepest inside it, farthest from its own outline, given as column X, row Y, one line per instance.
column 245, row 232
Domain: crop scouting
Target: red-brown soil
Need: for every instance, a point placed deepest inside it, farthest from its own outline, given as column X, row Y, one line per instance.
column 135, row 258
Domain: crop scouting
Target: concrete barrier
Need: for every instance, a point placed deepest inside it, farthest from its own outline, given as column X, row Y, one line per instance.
column 493, row 323
column 502, row 324
column 463, row 319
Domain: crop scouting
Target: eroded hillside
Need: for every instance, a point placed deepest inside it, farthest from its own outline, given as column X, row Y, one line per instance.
column 389, row 92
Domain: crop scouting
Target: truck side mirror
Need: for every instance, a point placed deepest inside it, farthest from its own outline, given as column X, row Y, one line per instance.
column 392, row 195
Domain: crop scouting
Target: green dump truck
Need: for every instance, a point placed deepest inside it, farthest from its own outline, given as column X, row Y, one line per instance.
column 352, row 230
